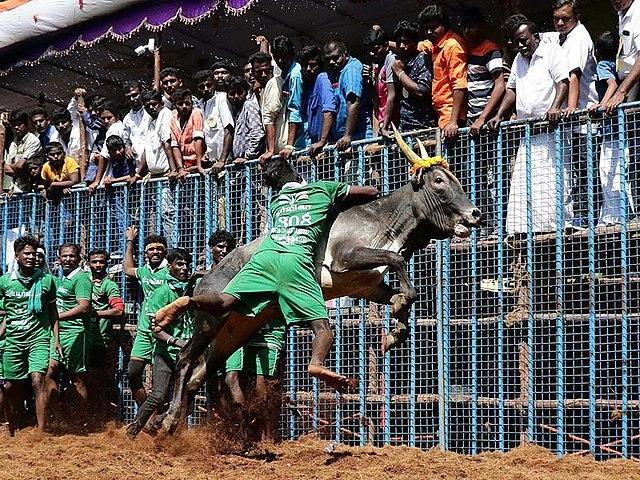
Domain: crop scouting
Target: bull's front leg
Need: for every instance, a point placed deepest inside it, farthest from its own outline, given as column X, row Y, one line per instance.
column 364, row 258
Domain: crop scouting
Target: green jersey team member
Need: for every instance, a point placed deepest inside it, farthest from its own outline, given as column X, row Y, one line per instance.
column 74, row 310
column 107, row 307
column 151, row 276
column 28, row 297
column 167, row 343
column 282, row 268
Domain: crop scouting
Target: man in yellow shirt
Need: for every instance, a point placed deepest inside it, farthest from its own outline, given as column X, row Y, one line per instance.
column 59, row 172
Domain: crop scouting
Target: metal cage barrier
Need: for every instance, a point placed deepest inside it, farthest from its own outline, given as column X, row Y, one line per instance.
column 528, row 331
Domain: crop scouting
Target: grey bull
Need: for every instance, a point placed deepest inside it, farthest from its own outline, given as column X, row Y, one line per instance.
column 364, row 243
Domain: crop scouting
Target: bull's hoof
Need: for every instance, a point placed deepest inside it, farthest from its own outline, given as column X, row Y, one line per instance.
column 399, row 304
column 171, row 312
column 170, row 424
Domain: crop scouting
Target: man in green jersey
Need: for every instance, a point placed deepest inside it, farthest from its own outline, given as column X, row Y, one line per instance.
column 107, row 307
column 282, row 268
column 167, row 343
column 151, row 275
column 74, row 310
column 29, row 300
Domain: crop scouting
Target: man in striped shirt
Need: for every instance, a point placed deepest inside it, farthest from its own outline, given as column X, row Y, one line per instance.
column 485, row 82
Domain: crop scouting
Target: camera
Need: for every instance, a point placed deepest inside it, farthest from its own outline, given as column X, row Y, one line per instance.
column 146, row 49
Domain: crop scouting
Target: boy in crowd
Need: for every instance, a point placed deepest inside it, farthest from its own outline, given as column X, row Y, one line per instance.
column 412, row 72
column 218, row 120
column 119, row 167
column 167, row 343
column 45, row 130
column 25, row 146
column 284, row 56
column 220, row 244
column 248, row 136
column 60, row 172
column 68, row 132
column 74, row 310
column 170, row 81
column 28, row 298
column 151, row 276
column 187, row 134
column 385, row 111
column 110, row 117
column 136, row 122
column 449, row 68
column 319, row 102
column 107, row 308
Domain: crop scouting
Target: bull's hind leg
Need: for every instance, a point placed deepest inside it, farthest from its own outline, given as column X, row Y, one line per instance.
column 363, row 258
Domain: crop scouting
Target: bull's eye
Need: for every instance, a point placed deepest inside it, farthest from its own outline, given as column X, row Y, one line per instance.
column 439, row 180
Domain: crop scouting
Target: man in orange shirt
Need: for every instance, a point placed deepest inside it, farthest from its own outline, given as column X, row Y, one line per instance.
column 187, row 134
column 449, row 68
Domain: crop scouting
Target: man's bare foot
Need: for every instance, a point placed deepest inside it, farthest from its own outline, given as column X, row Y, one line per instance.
column 333, row 379
column 168, row 314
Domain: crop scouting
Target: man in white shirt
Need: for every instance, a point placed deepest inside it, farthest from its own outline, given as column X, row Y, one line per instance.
column 627, row 64
column 136, row 122
column 218, row 119
column 538, row 86
column 110, row 117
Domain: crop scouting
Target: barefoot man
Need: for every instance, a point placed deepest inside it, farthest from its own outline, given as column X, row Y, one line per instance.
column 282, row 269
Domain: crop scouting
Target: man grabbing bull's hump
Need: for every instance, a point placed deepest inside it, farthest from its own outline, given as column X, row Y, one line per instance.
column 282, row 268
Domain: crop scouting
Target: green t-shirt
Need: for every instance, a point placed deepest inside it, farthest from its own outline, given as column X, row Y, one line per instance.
column 182, row 328
column 150, row 280
column 25, row 326
column 103, row 291
column 71, row 288
column 299, row 215
column 270, row 335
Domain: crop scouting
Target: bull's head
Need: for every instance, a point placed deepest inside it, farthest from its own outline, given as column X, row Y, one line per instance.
column 442, row 201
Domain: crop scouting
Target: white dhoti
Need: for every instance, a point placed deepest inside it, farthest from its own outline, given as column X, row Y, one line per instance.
column 543, row 187
column 610, row 212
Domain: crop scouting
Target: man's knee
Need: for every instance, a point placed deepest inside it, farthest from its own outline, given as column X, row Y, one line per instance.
column 135, row 371
column 232, row 379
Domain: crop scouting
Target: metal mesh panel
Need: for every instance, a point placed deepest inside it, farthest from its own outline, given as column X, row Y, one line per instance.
column 526, row 332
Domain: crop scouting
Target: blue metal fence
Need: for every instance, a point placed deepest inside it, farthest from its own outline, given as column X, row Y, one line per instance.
column 528, row 331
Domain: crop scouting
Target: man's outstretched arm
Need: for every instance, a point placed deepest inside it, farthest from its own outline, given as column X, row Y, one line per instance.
column 359, row 193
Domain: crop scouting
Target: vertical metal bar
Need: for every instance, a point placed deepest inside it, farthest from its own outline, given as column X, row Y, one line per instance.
column 362, row 333
column 559, row 152
column 47, row 228
column 142, row 227
column 624, row 270
column 412, row 365
column 442, row 431
column 180, row 189
column 62, row 211
column 109, row 221
column 77, row 222
column 531, row 412
column 338, row 348
column 208, row 223
column 249, row 200
column 20, row 213
column 159, row 185
column 91, row 240
column 591, row 242
column 386, row 360
column 33, row 213
column 5, row 229
column 195, row 208
column 227, row 195
column 216, row 203
column 474, row 308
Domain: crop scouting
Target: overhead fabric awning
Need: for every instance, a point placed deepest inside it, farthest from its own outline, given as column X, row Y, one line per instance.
column 33, row 30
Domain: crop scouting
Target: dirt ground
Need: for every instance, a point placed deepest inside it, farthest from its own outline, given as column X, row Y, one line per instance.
column 192, row 456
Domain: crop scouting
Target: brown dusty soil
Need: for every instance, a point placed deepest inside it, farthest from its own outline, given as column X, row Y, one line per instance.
column 191, row 456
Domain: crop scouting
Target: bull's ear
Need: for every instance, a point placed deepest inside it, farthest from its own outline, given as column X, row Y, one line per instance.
column 417, row 179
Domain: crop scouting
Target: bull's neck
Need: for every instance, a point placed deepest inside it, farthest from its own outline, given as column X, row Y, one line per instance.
column 401, row 224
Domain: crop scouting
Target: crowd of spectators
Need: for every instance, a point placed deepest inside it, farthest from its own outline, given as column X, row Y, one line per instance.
column 423, row 74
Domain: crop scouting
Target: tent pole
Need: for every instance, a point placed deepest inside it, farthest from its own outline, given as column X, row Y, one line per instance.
column 83, row 138
column 157, row 64
column 2, row 139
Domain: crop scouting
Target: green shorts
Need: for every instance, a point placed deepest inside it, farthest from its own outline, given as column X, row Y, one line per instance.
column 287, row 278
column 143, row 346
column 18, row 361
column 74, row 349
column 261, row 361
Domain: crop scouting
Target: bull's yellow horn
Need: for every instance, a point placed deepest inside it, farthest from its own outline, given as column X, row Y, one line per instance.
column 408, row 152
column 423, row 151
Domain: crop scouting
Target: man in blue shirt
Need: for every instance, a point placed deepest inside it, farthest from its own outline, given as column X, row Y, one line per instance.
column 345, row 73
column 42, row 123
column 284, row 55
column 320, row 105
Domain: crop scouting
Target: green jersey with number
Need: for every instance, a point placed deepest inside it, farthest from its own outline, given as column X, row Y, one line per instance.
column 299, row 214
column 71, row 288
column 150, row 280
column 23, row 325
